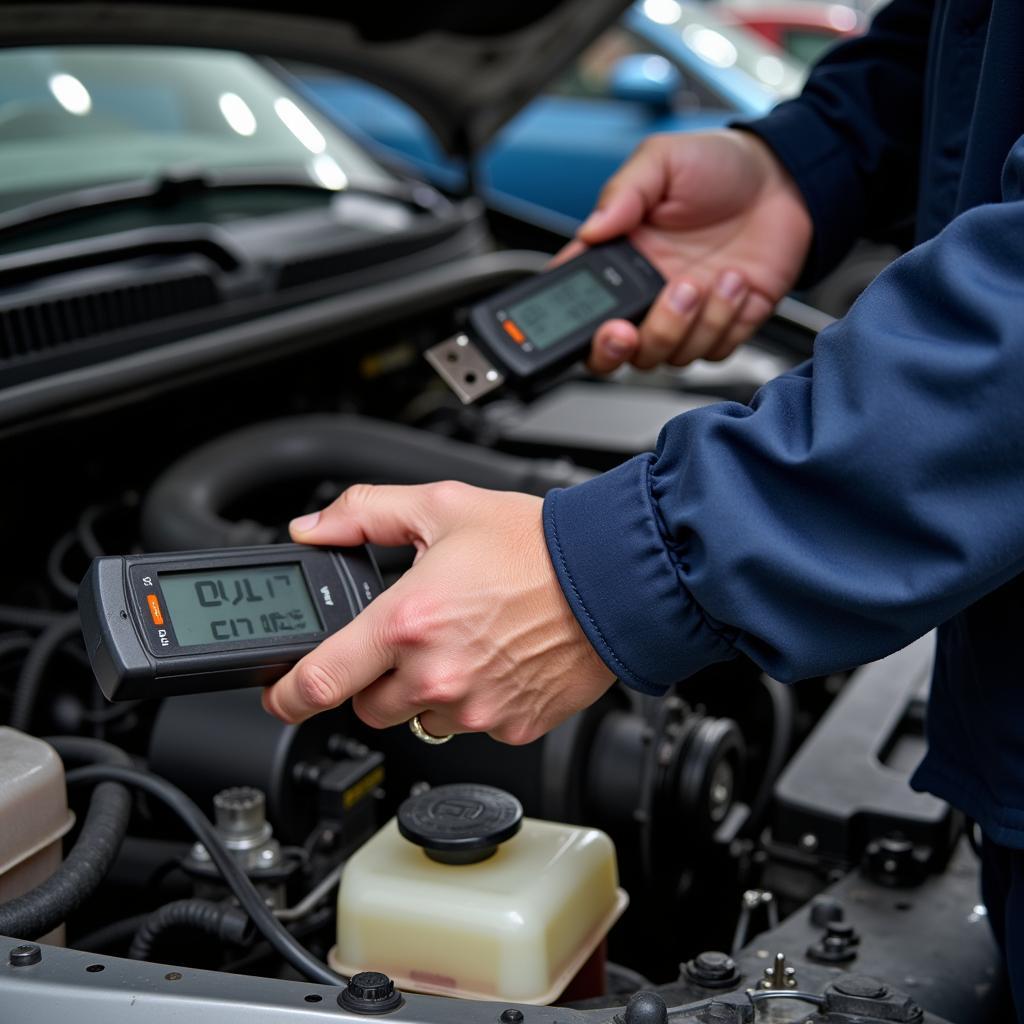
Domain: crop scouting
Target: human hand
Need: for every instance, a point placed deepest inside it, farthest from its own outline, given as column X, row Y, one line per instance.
column 725, row 224
column 475, row 637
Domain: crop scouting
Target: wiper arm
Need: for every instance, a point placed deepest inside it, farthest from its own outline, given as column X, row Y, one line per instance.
column 173, row 186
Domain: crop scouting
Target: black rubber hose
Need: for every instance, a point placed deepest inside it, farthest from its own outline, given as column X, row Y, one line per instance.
column 185, row 507
column 245, row 892
column 15, row 643
column 85, row 531
column 114, row 936
column 33, row 672
column 59, row 579
column 221, row 920
column 48, row 905
column 27, row 618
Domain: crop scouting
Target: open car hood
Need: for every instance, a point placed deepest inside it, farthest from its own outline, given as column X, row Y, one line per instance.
column 466, row 65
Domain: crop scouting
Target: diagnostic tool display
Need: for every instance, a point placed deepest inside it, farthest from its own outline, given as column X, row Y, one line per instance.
column 562, row 308
column 192, row 621
column 546, row 323
column 235, row 605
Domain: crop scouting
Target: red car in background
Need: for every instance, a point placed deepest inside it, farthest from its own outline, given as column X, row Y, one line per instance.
column 804, row 29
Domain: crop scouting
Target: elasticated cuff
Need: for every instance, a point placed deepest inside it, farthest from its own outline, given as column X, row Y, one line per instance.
column 622, row 583
column 822, row 166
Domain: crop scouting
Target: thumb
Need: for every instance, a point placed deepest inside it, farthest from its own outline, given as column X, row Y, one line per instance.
column 568, row 252
column 627, row 197
column 388, row 515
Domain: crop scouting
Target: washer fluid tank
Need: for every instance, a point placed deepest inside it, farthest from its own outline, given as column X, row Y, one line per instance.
column 34, row 816
column 459, row 895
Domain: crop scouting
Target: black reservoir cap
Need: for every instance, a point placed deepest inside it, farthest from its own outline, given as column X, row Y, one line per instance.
column 462, row 823
column 370, row 992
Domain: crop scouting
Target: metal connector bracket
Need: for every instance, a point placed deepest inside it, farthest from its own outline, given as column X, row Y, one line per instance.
column 464, row 368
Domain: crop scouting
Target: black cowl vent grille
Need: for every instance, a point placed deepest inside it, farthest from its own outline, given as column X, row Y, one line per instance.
column 39, row 324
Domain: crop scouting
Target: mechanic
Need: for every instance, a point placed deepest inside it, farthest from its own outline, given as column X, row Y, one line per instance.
column 868, row 496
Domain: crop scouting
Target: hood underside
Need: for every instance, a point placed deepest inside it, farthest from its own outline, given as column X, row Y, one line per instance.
column 466, row 65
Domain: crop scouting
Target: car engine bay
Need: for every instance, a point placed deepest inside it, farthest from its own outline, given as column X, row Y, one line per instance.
column 776, row 864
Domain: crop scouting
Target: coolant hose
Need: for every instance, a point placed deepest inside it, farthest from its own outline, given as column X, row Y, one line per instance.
column 43, row 908
column 185, row 507
column 221, row 920
column 33, row 672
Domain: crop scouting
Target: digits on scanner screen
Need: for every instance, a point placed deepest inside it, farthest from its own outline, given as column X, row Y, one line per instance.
column 233, row 605
column 562, row 308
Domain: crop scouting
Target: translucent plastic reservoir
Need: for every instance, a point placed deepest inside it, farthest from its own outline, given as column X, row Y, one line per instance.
column 516, row 926
column 34, row 816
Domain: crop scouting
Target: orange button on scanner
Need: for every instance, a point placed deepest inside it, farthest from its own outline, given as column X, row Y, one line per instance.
column 154, row 610
column 513, row 331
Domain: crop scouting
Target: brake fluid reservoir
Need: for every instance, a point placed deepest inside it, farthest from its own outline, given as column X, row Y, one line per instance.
column 459, row 895
column 34, row 816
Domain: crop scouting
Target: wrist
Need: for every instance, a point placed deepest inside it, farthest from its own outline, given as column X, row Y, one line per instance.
column 779, row 186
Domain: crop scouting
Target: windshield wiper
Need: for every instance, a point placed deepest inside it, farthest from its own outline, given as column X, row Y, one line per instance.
column 176, row 185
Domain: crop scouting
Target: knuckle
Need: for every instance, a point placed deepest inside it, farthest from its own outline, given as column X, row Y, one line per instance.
column 410, row 623
column 316, row 686
column 475, row 720
column 440, row 684
column 353, row 497
column 516, row 734
column 447, row 494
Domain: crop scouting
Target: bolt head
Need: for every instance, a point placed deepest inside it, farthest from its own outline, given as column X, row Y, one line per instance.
column 25, row 956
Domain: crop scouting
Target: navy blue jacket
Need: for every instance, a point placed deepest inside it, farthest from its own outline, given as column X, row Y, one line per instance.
column 877, row 491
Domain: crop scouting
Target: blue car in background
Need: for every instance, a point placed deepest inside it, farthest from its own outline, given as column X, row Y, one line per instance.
column 666, row 66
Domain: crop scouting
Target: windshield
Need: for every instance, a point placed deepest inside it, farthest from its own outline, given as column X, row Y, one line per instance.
column 73, row 116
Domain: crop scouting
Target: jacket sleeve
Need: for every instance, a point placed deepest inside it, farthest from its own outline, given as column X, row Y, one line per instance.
column 856, row 503
column 852, row 139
